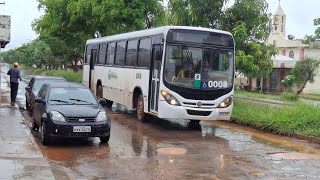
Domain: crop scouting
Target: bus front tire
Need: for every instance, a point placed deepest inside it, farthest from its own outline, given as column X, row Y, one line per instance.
column 194, row 121
column 140, row 109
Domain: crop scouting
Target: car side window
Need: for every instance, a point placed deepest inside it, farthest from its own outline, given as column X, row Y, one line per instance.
column 43, row 92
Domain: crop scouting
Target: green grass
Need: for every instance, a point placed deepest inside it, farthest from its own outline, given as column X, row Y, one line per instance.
column 299, row 118
column 257, row 95
column 69, row 75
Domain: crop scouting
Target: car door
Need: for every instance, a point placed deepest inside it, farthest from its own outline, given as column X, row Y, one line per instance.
column 39, row 108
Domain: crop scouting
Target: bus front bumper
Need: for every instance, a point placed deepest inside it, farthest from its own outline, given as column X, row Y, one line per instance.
column 181, row 112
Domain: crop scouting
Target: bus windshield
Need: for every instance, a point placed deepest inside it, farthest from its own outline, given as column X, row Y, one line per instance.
column 198, row 68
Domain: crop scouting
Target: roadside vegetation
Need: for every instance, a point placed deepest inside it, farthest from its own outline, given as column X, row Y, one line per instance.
column 300, row 118
column 69, row 75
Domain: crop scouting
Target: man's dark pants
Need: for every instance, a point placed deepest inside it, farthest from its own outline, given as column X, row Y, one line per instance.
column 14, row 91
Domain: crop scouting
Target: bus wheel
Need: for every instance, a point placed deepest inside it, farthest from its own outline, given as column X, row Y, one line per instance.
column 99, row 92
column 140, row 109
column 109, row 103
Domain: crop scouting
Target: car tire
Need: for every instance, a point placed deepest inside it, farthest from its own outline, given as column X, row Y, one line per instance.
column 104, row 139
column 141, row 116
column 44, row 137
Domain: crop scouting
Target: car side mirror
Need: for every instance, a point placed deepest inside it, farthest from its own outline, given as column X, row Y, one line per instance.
column 103, row 102
column 39, row 100
column 28, row 88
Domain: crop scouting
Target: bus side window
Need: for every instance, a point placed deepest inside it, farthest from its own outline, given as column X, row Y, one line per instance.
column 102, row 54
column 131, row 55
column 120, row 53
column 110, row 53
column 144, row 53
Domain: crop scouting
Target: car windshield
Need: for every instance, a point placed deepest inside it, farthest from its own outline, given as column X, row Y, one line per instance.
column 39, row 82
column 198, row 68
column 79, row 96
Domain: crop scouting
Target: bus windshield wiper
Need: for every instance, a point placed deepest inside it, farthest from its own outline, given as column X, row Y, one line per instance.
column 80, row 100
column 59, row 100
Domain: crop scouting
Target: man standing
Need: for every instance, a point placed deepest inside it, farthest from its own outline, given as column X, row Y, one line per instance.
column 14, row 83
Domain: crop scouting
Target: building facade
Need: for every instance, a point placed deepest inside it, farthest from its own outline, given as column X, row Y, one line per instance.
column 290, row 50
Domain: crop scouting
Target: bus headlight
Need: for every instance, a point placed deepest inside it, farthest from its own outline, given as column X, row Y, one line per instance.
column 225, row 103
column 169, row 98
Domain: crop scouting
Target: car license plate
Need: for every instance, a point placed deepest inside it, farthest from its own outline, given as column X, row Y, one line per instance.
column 81, row 128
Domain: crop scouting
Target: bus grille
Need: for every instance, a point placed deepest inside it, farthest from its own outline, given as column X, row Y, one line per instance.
column 198, row 113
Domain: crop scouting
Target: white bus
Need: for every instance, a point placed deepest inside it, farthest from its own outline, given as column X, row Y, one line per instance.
column 169, row 72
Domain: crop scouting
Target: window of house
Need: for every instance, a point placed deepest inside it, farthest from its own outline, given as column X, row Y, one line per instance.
column 291, row 54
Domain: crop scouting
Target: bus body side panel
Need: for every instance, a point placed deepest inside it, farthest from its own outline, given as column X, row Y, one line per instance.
column 85, row 79
column 119, row 83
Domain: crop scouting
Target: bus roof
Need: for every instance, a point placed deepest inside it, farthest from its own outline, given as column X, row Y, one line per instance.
column 150, row 32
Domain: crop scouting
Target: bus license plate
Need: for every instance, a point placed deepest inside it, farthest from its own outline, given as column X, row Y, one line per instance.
column 81, row 128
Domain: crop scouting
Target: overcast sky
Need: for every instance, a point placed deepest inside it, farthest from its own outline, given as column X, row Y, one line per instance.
column 300, row 15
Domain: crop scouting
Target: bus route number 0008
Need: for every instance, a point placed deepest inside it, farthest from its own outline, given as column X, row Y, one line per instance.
column 217, row 84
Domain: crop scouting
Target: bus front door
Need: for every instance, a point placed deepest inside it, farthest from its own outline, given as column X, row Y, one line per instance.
column 91, row 70
column 155, row 77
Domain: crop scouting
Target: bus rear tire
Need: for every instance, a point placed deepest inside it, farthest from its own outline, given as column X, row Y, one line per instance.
column 140, row 109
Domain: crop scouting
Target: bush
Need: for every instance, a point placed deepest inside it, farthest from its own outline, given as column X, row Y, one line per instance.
column 289, row 96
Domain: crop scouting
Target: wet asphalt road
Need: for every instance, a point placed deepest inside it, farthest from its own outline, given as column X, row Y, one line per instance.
column 168, row 149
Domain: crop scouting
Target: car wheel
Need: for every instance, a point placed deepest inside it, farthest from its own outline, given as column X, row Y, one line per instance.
column 43, row 134
column 140, row 109
column 35, row 126
column 105, row 139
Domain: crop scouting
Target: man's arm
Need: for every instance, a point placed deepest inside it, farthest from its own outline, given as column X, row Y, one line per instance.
column 8, row 73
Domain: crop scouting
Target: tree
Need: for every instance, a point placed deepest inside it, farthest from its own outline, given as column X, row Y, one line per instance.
column 305, row 71
column 250, row 25
column 67, row 24
column 309, row 39
column 205, row 13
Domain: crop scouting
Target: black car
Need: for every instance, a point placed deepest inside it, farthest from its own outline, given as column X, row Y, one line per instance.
column 69, row 110
column 34, row 86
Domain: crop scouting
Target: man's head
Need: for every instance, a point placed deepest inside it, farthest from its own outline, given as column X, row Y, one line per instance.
column 15, row 64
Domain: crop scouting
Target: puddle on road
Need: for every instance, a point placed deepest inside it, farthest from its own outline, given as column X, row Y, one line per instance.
column 171, row 151
column 294, row 156
column 276, row 140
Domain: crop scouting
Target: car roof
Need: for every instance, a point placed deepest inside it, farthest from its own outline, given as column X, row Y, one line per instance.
column 48, row 77
column 66, row 85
